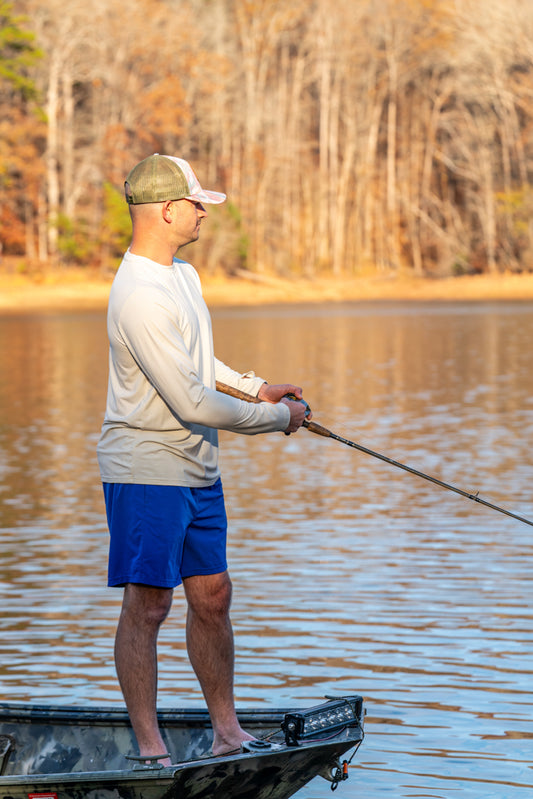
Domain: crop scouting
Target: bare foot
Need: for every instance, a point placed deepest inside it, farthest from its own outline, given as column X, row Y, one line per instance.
column 151, row 753
column 223, row 745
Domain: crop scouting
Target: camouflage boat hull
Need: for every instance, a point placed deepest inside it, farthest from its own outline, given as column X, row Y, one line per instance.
column 55, row 752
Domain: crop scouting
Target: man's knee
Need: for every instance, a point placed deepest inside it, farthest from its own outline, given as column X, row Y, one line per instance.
column 147, row 604
column 221, row 599
column 209, row 595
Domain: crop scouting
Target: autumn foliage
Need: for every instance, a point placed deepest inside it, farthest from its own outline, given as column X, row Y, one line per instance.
column 377, row 135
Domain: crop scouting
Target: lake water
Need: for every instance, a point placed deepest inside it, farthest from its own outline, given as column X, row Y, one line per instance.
column 350, row 575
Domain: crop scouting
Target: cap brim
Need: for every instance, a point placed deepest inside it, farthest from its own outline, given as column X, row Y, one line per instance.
column 211, row 197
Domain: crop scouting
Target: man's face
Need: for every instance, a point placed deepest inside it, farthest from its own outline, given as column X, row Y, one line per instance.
column 188, row 215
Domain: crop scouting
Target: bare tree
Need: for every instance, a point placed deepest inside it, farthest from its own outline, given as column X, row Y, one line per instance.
column 388, row 135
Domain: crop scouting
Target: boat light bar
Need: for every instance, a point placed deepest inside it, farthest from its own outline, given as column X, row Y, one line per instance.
column 328, row 717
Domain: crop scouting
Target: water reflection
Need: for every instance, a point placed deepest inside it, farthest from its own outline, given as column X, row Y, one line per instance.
column 349, row 575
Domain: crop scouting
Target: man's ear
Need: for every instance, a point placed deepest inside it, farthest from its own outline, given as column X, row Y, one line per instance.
column 167, row 211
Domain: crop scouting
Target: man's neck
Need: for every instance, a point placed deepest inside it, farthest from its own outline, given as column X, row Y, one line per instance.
column 153, row 250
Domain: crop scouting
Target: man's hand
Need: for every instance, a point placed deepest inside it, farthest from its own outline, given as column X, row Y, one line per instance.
column 268, row 393
column 298, row 411
column 277, row 393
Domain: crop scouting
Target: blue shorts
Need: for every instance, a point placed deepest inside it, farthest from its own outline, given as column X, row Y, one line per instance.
column 163, row 534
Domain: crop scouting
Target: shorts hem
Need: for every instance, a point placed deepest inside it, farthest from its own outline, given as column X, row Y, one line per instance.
column 206, row 571
column 120, row 582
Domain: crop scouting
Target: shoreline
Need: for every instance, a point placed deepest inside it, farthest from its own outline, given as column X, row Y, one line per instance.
column 78, row 289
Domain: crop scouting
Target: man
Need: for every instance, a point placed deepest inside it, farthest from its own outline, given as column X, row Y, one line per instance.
column 158, row 452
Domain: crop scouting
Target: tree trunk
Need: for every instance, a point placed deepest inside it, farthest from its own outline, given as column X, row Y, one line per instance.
column 52, row 176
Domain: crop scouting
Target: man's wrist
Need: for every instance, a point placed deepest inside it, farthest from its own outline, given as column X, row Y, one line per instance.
column 260, row 392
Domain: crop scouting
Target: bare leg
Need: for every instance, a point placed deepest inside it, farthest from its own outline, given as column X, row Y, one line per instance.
column 144, row 609
column 211, row 652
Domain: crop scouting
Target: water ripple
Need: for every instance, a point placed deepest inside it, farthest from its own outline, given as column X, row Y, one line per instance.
column 349, row 575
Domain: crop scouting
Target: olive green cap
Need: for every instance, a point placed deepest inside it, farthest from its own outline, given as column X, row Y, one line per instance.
column 164, row 177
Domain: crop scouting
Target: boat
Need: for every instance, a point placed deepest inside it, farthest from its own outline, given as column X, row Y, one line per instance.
column 71, row 752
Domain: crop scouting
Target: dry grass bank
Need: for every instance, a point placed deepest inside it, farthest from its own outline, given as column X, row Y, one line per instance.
column 77, row 289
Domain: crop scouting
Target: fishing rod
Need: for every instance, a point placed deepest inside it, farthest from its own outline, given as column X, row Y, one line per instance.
column 314, row 427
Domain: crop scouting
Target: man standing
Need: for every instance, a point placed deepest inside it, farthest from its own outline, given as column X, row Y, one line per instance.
column 158, row 452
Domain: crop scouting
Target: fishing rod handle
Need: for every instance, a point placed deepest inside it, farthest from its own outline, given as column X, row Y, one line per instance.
column 235, row 392
column 314, row 427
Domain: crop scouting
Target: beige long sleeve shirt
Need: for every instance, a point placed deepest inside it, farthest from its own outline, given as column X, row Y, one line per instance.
column 163, row 410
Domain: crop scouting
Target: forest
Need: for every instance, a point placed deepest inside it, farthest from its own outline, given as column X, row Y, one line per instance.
column 355, row 137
